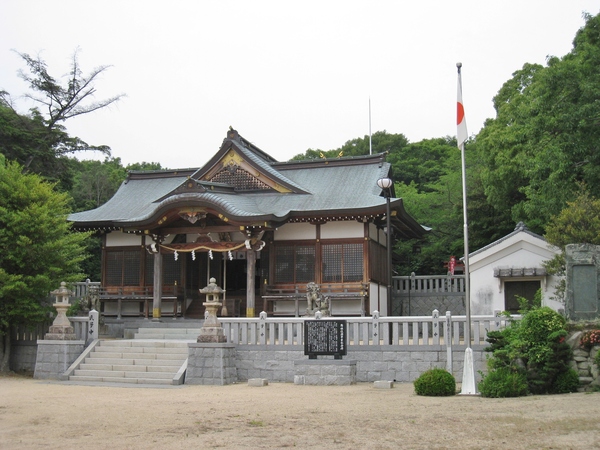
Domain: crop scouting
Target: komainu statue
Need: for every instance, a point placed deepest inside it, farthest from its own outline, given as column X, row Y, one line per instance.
column 316, row 300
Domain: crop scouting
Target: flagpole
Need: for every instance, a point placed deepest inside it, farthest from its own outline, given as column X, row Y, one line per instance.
column 468, row 386
column 370, row 145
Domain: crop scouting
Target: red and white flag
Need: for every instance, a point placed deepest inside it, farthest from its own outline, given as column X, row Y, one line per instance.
column 461, row 123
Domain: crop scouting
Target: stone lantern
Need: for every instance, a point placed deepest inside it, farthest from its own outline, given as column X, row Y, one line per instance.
column 212, row 331
column 61, row 328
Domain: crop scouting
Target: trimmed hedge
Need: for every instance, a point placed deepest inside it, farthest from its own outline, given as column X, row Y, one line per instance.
column 435, row 383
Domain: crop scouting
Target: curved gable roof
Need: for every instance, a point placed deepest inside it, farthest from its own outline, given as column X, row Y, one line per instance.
column 294, row 191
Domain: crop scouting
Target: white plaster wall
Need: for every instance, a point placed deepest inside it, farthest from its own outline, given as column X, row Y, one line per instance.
column 295, row 231
column 342, row 230
column 235, row 237
column 377, row 234
column 120, row 239
column 378, row 299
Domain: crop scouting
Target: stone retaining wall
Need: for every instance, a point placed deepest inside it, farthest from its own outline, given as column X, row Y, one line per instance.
column 392, row 363
column 23, row 355
column 583, row 363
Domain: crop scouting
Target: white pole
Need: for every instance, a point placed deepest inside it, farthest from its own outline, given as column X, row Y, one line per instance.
column 468, row 386
column 370, row 144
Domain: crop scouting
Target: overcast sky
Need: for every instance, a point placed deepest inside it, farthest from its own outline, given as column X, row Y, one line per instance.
column 288, row 75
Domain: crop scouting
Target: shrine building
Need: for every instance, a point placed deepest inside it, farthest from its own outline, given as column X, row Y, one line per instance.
column 263, row 229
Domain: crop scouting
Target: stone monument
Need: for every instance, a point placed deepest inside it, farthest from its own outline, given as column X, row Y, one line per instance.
column 211, row 360
column 211, row 330
column 60, row 346
column 61, row 329
column 582, row 296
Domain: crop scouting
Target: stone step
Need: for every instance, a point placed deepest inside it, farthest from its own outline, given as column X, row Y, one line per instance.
column 82, row 378
column 128, row 367
column 118, row 374
column 144, row 343
column 142, row 350
column 188, row 334
column 133, row 361
column 179, row 337
column 117, row 355
column 148, row 362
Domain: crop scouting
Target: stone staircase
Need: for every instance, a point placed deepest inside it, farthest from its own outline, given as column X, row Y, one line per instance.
column 186, row 334
column 135, row 361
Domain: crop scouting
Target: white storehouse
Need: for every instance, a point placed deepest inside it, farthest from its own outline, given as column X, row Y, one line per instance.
column 510, row 267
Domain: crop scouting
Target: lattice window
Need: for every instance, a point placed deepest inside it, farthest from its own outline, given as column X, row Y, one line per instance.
column 122, row 268
column 149, row 273
column 113, row 273
column 353, row 262
column 294, row 263
column 342, row 263
column 240, row 180
column 332, row 263
column 171, row 269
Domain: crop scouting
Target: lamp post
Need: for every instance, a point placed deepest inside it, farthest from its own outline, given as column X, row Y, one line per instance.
column 386, row 184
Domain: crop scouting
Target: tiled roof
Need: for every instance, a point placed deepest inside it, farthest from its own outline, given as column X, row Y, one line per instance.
column 319, row 188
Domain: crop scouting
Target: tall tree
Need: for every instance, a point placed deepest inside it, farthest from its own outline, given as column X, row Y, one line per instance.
column 545, row 137
column 43, row 139
column 38, row 249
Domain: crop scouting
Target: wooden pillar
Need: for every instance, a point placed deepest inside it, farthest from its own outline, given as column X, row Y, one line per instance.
column 251, row 272
column 157, row 294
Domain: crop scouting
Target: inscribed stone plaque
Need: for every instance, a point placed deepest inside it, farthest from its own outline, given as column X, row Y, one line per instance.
column 585, row 289
column 582, row 298
column 325, row 337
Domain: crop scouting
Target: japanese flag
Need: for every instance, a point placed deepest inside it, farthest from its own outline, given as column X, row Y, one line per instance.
column 461, row 123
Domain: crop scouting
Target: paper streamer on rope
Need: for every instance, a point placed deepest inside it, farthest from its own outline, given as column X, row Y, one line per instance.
column 176, row 255
column 230, row 255
column 210, row 255
column 193, row 255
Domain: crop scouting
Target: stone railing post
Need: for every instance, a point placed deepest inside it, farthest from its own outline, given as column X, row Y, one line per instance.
column 448, row 340
column 262, row 337
column 376, row 330
column 92, row 326
column 435, row 326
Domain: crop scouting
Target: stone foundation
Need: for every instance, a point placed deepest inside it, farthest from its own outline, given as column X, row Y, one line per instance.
column 54, row 357
column 325, row 372
column 211, row 364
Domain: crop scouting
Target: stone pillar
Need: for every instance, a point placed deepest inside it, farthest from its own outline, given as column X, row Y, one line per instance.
column 93, row 326
column 251, row 274
column 157, row 294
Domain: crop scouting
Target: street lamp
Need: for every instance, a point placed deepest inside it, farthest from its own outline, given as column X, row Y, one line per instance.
column 385, row 184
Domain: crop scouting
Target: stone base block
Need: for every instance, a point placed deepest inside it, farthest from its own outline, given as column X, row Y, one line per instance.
column 258, row 382
column 382, row 384
column 60, row 333
column 211, row 363
column 212, row 334
column 325, row 372
column 54, row 357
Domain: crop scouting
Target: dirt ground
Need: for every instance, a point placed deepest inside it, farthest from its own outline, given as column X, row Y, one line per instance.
column 50, row 414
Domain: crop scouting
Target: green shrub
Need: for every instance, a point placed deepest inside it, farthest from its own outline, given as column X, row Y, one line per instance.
column 538, row 324
column 504, row 382
column 435, row 383
column 566, row 382
column 536, row 349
